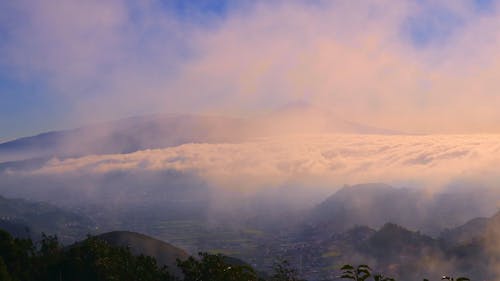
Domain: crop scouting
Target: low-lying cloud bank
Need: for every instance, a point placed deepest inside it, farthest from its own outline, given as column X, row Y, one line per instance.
column 455, row 178
column 319, row 161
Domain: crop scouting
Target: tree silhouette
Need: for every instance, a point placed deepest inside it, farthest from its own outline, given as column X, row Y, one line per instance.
column 215, row 268
column 361, row 273
column 283, row 271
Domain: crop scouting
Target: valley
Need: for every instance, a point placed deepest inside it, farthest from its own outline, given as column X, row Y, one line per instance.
column 317, row 242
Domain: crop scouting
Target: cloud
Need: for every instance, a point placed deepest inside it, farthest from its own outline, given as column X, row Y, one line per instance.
column 411, row 66
column 277, row 174
column 95, row 53
column 314, row 162
column 357, row 59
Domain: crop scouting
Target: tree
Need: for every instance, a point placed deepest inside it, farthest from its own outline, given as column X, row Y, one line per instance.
column 4, row 273
column 215, row 268
column 283, row 271
column 89, row 260
column 380, row 277
column 16, row 255
column 95, row 259
column 453, row 279
column 361, row 273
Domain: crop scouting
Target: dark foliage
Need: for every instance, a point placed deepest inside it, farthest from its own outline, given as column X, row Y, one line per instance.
column 93, row 259
column 214, row 267
column 283, row 271
column 364, row 272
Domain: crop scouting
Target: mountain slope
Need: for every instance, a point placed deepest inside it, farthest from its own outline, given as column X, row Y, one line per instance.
column 163, row 252
column 471, row 230
column 123, row 136
column 375, row 204
column 43, row 217
column 15, row 229
column 304, row 118
column 166, row 130
column 371, row 204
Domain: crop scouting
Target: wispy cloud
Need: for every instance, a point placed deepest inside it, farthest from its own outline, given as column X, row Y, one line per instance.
column 411, row 65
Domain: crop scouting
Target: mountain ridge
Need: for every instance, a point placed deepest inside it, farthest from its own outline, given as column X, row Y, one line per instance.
column 165, row 130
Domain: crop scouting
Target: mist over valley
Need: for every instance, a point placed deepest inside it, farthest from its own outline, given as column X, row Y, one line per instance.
column 312, row 199
column 277, row 140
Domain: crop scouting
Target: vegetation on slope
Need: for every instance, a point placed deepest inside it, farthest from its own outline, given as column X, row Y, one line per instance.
column 95, row 259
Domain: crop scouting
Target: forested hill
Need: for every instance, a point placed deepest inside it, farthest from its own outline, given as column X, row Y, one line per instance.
column 140, row 244
column 97, row 260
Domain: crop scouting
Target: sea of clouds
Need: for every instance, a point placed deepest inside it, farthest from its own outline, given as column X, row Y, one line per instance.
column 318, row 161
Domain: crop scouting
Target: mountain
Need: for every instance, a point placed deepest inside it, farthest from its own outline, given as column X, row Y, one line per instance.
column 125, row 135
column 475, row 230
column 393, row 241
column 374, row 204
column 15, row 229
column 397, row 252
column 371, row 204
column 391, row 249
column 140, row 244
column 470, row 231
column 470, row 249
column 18, row 214
column 163, row 252
column 304, row 118
column 167, row 130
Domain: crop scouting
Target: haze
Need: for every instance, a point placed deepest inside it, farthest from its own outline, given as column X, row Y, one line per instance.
column 282, row 120
column 411, row 66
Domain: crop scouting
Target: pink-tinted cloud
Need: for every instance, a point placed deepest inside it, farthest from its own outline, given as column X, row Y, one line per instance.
column 353, row 57
column 314, row 161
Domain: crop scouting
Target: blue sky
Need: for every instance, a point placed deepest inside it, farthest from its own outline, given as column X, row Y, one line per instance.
column 43, row 88
column 28, row 104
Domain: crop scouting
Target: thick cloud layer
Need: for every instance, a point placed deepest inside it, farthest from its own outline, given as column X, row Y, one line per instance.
column 315, row 161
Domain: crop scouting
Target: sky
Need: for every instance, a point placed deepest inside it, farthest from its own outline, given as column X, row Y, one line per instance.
column 414, row 66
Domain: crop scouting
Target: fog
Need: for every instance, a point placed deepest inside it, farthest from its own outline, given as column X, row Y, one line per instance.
column 276, row 174
column 254, row 115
